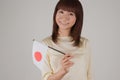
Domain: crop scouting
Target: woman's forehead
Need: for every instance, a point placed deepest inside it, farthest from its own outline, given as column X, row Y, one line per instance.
column 67, row 9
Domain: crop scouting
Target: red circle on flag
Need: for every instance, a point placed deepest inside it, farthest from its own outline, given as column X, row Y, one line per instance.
column 38, row 56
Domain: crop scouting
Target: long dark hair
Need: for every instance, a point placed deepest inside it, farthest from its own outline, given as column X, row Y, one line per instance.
column 72, row 6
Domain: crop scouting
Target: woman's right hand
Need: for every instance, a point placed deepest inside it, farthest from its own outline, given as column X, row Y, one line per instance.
column 66, row 63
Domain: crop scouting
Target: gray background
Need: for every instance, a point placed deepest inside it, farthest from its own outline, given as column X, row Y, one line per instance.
column 23, row 20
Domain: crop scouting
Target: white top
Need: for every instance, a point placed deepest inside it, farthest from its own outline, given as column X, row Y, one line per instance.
column 81, row 70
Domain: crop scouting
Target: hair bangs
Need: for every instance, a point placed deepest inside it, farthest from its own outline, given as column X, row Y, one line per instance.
column 67, row 5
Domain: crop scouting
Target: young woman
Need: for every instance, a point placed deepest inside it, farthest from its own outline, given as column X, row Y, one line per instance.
column 66, row 37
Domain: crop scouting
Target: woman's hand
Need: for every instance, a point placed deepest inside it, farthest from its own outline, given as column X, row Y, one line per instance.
column 66, row 63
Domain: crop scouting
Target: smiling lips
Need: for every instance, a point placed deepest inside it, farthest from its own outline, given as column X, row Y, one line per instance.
column 62, row 23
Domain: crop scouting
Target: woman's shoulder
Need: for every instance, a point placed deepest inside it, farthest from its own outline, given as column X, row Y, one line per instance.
column 47, row 40
column 84, row 41
column 83, row 38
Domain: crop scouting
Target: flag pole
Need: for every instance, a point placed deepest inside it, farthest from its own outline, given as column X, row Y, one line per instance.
column 56, row 50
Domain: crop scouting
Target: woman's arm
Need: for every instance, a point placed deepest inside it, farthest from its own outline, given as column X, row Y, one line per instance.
column 89, row 71
column 58, row 75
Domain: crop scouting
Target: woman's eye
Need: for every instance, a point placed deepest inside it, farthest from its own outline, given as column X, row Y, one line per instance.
column 61, row 12
column 71, row 14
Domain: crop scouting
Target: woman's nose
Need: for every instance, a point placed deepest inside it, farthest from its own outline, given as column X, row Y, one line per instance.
column 65, row 17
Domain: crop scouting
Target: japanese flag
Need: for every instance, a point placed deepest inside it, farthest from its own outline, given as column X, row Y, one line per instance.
column 38, row 53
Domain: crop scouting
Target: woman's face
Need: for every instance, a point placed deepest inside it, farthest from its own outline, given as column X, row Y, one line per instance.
column 65, row 19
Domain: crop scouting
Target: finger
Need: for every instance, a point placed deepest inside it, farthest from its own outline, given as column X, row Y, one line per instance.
column 66, row 59
column 67, row 63
column 70, row 65
column 67, row 55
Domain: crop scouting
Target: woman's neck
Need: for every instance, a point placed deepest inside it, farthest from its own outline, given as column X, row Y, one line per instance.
column 64, row 33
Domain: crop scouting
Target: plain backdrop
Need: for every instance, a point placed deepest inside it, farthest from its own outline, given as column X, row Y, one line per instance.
column 23, row 20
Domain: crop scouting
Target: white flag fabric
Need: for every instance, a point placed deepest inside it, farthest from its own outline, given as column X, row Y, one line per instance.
column 38, row 53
